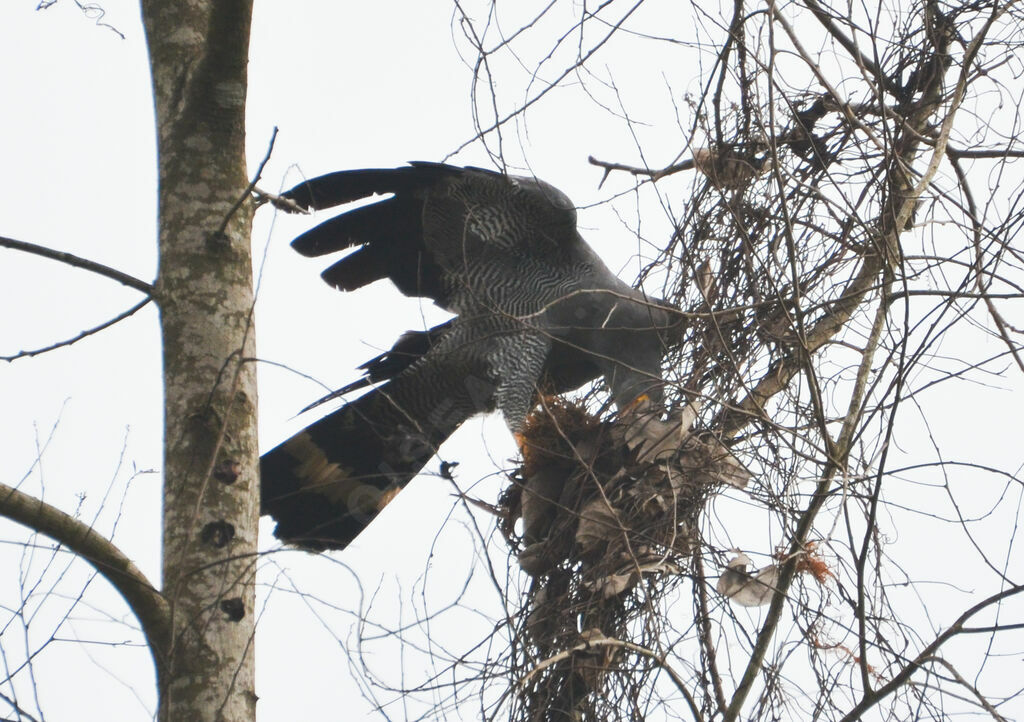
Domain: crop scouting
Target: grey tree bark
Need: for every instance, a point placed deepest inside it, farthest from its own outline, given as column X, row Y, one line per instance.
column 198, row 57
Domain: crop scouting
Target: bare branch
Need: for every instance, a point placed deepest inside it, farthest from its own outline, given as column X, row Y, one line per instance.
column 249, row 189
column 78, row 262
column 687, row 164
column 84, row 334
column 146, row 603
column 901, row 678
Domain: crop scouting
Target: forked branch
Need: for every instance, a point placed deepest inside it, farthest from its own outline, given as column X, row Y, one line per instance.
column 145, row 601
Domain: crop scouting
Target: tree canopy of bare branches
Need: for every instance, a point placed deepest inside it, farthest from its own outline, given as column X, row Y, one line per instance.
column 856, row 208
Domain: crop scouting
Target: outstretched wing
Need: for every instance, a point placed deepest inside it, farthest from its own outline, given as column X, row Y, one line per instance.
column 479, row 242
column 455, row 235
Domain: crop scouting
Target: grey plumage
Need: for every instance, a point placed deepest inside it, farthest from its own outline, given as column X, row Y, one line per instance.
column 535, row 309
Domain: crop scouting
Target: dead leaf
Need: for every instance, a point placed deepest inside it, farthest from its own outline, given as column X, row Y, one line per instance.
column 615, row 584
column 659, row 439
column 748, row 589
column 727, row 469
column 598, row 524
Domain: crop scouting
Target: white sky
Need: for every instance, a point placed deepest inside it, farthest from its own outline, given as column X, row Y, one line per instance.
column 349, row 84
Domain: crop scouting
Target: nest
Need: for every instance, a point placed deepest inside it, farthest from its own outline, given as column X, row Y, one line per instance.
column 607, row 508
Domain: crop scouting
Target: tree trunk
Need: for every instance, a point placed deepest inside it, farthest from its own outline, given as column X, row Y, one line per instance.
column 198, row 55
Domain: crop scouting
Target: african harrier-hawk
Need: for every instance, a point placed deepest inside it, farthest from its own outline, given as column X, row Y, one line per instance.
column 535, row 310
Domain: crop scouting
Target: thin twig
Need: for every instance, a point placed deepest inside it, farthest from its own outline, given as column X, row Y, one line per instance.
column 900, row 678
column 84, row 334
column 78, row 262
column 687, row 164
column 612, row 642
column 701, row 592
column 143, row 599
column 974, row 690
column 247, row 193
column 282, row 203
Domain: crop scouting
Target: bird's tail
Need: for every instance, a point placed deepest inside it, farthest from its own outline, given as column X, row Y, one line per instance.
column 324, row 485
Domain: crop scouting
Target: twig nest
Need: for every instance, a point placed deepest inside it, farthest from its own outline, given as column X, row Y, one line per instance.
column 616, row 496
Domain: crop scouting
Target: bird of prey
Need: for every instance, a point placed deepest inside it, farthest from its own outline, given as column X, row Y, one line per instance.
column 535, row 310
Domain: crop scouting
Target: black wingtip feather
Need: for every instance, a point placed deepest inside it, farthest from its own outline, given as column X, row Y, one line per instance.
column 357, row 269
column 381, row 221
column 345, row 186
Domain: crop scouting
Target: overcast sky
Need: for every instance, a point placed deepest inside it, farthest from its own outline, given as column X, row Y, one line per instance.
column 348, row 84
